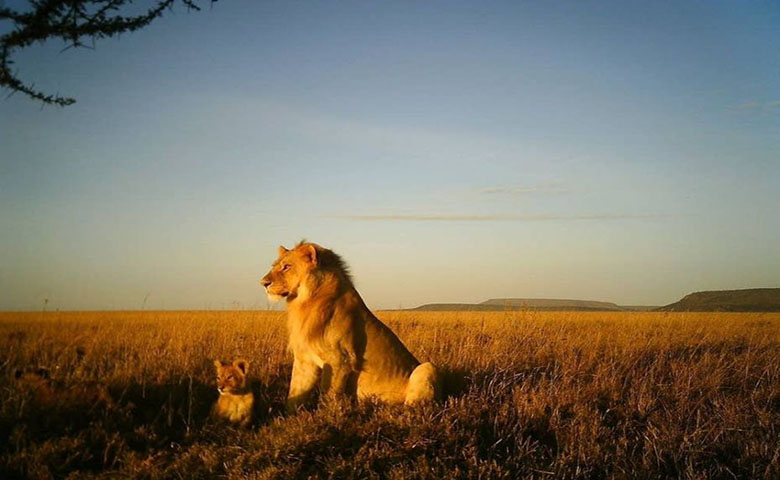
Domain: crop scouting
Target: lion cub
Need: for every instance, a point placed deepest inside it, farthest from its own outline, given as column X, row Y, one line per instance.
column 50, row 393
column 236, row 400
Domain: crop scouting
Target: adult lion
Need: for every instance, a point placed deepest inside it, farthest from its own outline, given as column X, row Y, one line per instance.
column 335, row 339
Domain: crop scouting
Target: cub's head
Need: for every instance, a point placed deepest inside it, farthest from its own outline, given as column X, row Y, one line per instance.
column 290, row 271
column 36, row 381
column 231, row 378
column 32, row 372
column 32, row 375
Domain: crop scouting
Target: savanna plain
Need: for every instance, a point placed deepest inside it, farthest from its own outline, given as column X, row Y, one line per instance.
column 528, row 395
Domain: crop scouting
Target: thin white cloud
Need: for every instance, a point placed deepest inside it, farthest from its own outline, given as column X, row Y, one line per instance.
column 546, row 188
column 493, row 218
column 753, row 105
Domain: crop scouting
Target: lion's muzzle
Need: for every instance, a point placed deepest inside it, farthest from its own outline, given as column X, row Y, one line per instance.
column 275, row 292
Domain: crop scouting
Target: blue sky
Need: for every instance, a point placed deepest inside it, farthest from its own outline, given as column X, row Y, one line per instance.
column 450, row 151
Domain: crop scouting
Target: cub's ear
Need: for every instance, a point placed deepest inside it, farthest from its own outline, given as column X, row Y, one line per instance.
column 282, row 250
column 309, row 253
column 242, row 365
column 218, row 363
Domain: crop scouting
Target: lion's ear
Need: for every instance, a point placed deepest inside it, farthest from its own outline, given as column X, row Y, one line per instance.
column 282, row 250
column 218, row 363
column 309, row 253
column 242, row 365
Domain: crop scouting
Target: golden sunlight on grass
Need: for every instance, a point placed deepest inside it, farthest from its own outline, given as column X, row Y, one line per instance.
column 536, row 394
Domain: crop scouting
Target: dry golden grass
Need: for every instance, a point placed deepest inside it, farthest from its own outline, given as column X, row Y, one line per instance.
column 531, row 394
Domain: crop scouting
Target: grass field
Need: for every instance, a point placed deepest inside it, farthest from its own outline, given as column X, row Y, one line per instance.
column 530, row 394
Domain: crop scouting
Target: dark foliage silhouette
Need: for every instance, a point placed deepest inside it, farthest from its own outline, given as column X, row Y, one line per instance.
column 74, row 22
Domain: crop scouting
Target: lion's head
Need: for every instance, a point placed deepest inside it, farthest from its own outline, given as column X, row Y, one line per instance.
column 301, row 270
column 290, row 271
column 231, row 378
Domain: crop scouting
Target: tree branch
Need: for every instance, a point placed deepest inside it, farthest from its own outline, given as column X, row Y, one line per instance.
column 69, row 20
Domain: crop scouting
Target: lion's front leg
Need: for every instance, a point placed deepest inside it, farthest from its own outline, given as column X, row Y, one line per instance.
column 305, row 376
column 338, row 381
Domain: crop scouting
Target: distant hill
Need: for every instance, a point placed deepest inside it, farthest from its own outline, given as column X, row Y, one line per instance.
column 749, row 300
column 550, row 303
column 459, row 307
column 547, row 304
column 638, row 308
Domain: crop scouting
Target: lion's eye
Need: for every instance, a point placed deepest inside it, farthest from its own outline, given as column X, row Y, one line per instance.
column 285, row 267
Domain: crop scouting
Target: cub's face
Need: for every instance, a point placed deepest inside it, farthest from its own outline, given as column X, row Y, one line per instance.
column 231, row 378
column 32, row 374
column 33, row 378
column 289, row 271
